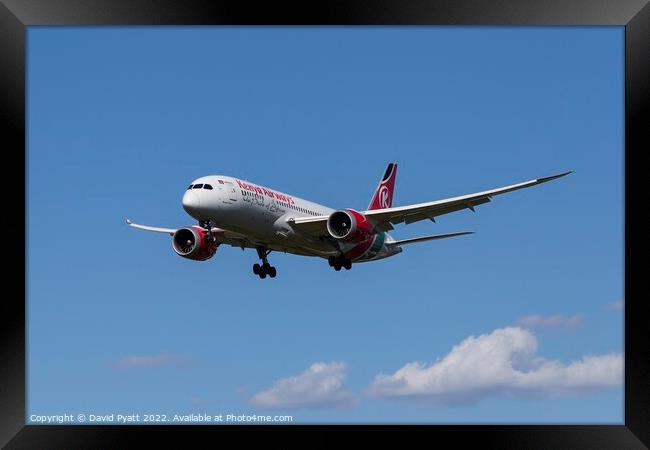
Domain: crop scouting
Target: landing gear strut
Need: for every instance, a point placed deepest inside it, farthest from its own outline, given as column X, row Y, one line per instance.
column 207, row 224
column 265, row 268
column 339, row 261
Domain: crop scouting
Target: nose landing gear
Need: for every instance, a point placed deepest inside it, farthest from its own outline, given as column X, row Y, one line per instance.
column 265, row 268
column 207, row 224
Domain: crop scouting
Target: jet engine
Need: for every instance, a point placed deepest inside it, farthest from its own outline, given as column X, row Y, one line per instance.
column 348, row 224
column 193, row 243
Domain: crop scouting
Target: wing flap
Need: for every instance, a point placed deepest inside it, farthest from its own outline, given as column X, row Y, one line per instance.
column 414, row 218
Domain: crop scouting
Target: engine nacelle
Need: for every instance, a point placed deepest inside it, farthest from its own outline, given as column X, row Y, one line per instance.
column 192, row 243
column 348, row 224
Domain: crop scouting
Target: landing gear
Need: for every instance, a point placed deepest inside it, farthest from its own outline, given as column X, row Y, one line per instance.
column 207, row 224
column 339, row 261
column 265, row 269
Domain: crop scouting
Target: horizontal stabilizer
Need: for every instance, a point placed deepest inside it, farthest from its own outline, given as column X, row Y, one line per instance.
column 430, row 238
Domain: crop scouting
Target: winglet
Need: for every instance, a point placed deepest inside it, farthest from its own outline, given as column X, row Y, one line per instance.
column 553, row 177
column 128, row 221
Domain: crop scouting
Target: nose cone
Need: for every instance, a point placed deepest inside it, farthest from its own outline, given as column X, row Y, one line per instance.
column 191, row 203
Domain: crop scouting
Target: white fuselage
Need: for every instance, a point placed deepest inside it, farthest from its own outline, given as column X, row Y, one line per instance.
column 262, row 215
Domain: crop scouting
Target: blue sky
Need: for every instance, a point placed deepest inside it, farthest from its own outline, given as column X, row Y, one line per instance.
column 120, row 120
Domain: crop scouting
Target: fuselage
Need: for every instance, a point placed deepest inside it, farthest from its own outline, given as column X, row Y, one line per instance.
column 263, row 215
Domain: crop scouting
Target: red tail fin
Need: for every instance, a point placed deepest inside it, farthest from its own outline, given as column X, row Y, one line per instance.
column 383, row 197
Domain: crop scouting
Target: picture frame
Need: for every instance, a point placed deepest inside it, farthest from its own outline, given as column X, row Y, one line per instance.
column 16, row 16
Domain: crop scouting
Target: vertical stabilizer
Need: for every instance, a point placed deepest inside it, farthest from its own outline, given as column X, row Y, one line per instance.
column 383, row 196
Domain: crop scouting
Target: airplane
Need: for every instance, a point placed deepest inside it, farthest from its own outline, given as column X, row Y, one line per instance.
column 247, row 215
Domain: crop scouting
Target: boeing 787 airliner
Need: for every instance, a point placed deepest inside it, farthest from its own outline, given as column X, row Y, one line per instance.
column 243, row 214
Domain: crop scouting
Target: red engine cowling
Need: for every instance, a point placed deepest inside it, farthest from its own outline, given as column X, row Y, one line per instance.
column 348, row 224
column 192, row 243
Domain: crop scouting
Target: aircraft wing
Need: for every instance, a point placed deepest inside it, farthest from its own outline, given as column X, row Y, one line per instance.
column 384, row 219
column 149, row 228
column 223, row 236
column 310, row 226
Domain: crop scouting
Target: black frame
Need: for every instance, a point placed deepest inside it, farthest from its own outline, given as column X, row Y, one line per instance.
column 634, row 15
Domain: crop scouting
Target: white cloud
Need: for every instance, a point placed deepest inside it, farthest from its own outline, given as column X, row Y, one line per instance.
column 162, row 360
column 616, row 306
column 319, row 386
column 504, row 361
column 558, row 321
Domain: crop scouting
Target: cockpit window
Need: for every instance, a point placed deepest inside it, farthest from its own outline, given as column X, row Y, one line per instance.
column 190, row 186
column 207, row 186
column 197, row 186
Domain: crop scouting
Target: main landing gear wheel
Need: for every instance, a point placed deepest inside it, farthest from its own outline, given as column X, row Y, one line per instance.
column 265, row 269
column 338, row 262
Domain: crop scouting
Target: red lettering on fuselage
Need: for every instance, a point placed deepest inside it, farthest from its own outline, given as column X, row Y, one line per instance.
column 264, row 191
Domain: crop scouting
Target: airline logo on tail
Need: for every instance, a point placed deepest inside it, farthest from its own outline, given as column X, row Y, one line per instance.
column 383, row 196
